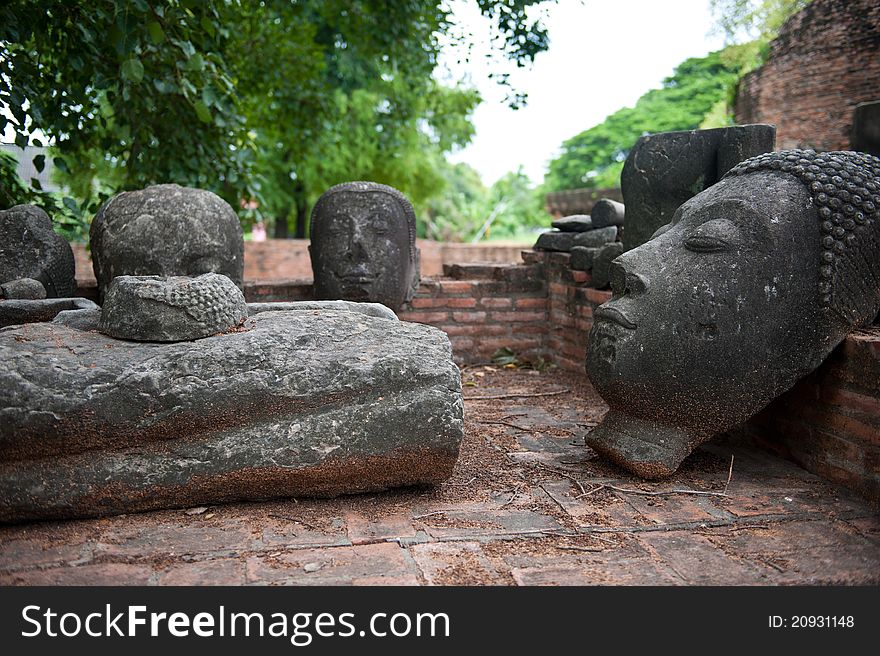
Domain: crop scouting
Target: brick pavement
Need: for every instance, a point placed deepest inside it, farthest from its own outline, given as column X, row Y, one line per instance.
column 528, row 504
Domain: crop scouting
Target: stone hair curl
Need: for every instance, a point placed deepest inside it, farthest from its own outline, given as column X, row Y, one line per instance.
column 363, row 186
column 845, row 186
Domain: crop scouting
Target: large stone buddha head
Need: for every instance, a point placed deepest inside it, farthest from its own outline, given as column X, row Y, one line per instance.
column 748, row 289
column 363, row 245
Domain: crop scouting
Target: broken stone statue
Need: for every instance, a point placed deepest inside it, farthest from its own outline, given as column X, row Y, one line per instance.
column 748, row 289
column 663, row 170
column 363, row 245
column 35, row 262
column 299, row 400
column 166, row 230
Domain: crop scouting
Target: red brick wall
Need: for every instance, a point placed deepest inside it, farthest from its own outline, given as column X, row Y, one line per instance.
column 285, row 259
column 824, row 62
column 829, row 422
column 484, row 308
column 571, row 304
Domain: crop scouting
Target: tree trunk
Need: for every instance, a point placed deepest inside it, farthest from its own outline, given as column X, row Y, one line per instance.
column 281, row 223
column 302, row 214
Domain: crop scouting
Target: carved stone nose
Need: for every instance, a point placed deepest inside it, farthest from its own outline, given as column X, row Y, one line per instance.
column 626, row 282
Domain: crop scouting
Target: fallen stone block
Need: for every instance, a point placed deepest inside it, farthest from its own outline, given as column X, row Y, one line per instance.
column 295, row 404
column 607, row 212
column 556, row 240
column 582, row 258
column 19, row 311
column 602, row 264
column 574, row 223
column 595, row 238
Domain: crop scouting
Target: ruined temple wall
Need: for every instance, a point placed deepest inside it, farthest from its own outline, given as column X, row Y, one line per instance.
column 829, row 423
column 286, row 259
column 824, row 62
column 483, row 308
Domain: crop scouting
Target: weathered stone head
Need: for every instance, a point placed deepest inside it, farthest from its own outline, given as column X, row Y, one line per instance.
column 748, row 289
column 364, row 245
column 166, row 230
column 32, row 256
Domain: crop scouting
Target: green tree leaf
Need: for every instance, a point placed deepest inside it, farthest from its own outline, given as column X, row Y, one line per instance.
column 157, row 34
column 132, row 70
column 202, row 111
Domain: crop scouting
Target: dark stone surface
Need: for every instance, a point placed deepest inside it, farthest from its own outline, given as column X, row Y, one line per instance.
column 582, row 258
column 574, row 223
column 171, row 309
column 299, row 404
column 556, row 240
column 26, row 289
column 595, row 238
column 166, row 230
column 866, row 128
column 602, row 264
column 30, row 248
column 607, row 212
column 86, row 319
column 749, row 289
column 370, row 309
column 364, row 245
column 16, row 311
column 664, row 170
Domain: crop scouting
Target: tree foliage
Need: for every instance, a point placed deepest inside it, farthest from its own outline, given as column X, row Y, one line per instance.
column 271, row 101
column 595, row 157
column 698, row 95
column 743, row 21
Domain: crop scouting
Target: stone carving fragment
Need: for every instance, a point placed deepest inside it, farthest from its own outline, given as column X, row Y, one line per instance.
column 748, row 289
column 171, row 309
column 166, row 230
column 30, row 248
column 664, row 170
column 363, row 245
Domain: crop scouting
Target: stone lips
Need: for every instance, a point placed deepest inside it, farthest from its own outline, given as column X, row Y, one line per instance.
column 30, row 248
column 300, row 404
column 160, row 309
column 166, row 230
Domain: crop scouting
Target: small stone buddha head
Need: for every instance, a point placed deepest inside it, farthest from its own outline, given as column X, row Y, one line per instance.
column 363, row 245
column 747, row 290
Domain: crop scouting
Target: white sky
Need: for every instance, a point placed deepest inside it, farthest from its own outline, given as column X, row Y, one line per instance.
column 603, row 55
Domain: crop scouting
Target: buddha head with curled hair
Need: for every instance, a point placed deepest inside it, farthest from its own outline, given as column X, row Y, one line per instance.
column 363, row 245
column 747, row 290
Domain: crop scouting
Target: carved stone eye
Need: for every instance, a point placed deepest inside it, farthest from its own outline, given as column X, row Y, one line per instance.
column 713, row 236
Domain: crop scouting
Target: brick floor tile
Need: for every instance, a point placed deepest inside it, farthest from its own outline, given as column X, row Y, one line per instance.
column 94, row 574
column 379, row 563
column 190, row 536
column 18, row 554
column 458, row 563
column 363, row 529
column 224, row 571
column 698, row 561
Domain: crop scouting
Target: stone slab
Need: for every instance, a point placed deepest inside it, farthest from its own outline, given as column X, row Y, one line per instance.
column 299, row 404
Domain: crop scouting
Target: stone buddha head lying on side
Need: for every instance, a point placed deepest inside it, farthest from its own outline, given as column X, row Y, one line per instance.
column 363, row 245
column 747, row 290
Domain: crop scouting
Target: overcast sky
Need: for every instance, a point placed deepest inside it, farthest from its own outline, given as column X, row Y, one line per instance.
column 603, row 55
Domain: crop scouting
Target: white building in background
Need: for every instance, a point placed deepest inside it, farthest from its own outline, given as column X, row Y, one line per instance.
column 26, row 169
